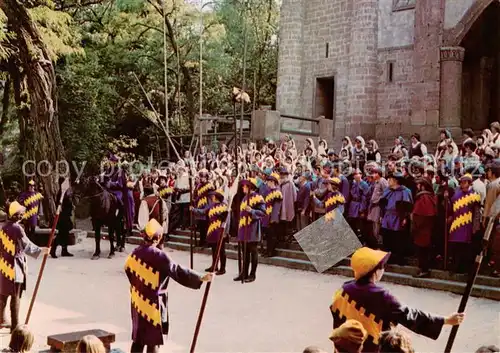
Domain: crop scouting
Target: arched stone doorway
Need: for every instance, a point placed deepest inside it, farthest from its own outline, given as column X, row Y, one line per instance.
column 480, row 70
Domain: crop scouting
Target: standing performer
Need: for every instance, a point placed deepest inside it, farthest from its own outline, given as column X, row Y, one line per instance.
column 31, row 200
column 358, row 204
column 200, row 201
column 466, row 221
column 270, row 222
column 395, row 205
column 14, row 246
column 149, row 270
column 153, row 207
column 217, row 214
column 117, row 184
column 252, row 209
column 375, row 308
column 333, row 198
column 65, row 223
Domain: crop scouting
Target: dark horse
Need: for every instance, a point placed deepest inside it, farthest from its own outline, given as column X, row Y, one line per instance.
column 104, row 211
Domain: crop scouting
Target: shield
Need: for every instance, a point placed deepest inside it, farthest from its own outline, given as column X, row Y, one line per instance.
column 145, row 215
column 328, row 241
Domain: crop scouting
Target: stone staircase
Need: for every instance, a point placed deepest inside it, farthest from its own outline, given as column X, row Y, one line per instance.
column 295, row 258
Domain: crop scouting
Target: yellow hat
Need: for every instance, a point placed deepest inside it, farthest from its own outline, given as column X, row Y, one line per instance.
column 365, row 260
column 153, row 228
column 274, row 177
column 31, row 182
column 15, row 207
column 250, row 182
column 350, row 332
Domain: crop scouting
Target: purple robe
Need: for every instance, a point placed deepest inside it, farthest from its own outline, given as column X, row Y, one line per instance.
column 394, row 207
column 333, row 200
column 14, row 246
column 358, row 201
column 217, row 215
column 304, row 197
column 465, row 207
column 378, row 310
column 289, row 197
column 31, row 200
column 273, row 199
column 201, row 199
column 344, row 186
column 249, row 224
column 117, row 185
column 149, row 270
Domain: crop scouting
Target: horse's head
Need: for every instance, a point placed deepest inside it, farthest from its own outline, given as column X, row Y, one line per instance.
column 87, row 186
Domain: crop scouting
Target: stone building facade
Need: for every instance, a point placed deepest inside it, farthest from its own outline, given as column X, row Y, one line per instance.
column 384, row 68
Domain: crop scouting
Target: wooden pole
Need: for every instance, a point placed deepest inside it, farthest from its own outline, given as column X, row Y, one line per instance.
column 243, row 84
column 205, row 299
column 165, row 73
column 446, row 229
column 64, row 188
column 191, row 221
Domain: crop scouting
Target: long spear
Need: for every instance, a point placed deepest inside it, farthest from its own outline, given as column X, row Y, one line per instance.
column 191, row 226
column 495, row 210
column 64, row 188
column 232, row 192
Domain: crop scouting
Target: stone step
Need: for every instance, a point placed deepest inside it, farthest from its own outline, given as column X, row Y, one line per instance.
column 181, row 241
column 482, row 291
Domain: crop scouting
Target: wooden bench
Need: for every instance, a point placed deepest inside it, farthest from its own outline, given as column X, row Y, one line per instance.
column 67, row 342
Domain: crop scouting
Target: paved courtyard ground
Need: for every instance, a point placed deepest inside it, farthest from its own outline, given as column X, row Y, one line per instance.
column 283, row 311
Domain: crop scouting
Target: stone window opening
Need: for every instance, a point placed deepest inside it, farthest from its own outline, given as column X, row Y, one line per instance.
column 401, row 5
column 325, row 97
column 390, row 71
column 327, row 49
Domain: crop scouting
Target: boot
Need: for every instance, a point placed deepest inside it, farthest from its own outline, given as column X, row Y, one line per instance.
column 4, row 323
column 250, row 278
column 240, row 277
column 53, row 252
column 209, row 269
column 65, row 252
column 220, row 272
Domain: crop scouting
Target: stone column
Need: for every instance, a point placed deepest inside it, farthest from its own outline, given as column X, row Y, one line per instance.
column 363, row 69
column 289, row 90
column 450, row 104
column 485, row 78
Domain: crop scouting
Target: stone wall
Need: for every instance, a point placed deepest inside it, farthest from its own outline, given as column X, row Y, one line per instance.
column 290, row 64
column 454, row 11
column 326, row 21
column 395, row 29
column 394, row 98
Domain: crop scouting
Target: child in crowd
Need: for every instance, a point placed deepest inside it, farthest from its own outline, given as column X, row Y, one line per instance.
column 90, row 344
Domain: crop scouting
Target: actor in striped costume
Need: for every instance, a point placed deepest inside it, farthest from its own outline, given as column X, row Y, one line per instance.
column 333, row 198
column 217, row 215
column 31, row 201
column 362, row 299
column 201, row 201
column 149, row 270
column 252, row 209
column 465, row 224
column 270, row 222
column 14, row 246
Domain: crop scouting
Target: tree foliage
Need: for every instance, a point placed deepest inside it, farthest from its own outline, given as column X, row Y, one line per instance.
column 98, row 46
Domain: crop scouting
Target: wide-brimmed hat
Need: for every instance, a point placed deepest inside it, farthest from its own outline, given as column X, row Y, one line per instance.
column 466, row 177
column 283, row 171
column 217, row 193
column 333, row 180
column 273, row 176
column 15, row 208
column 153, row 228
column 349, row 336
column 251, row 182
column 397, row 175
column 365, row 260
column 160, row 178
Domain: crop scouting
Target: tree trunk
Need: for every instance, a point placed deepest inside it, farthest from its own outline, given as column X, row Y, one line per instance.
column 40, row 82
